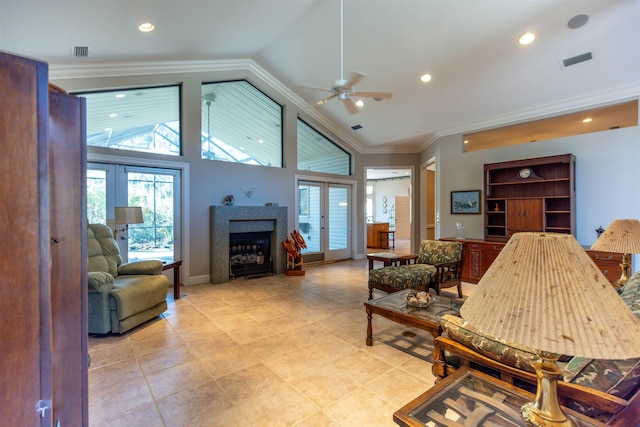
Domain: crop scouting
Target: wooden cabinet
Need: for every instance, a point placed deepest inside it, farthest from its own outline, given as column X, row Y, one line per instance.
column 373, row 233
column 480, row 254
column 524, row 215
column 43, row 255
column 529, row 195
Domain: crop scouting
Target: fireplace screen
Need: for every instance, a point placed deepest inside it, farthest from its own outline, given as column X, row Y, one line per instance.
column 250, row 254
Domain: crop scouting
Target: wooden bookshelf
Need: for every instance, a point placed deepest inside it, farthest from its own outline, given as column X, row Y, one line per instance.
column 529, row 195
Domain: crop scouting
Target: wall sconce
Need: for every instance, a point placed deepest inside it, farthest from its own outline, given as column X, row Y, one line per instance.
column 128, row 215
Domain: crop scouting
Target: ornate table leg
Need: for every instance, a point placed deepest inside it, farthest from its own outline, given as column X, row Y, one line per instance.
column 369, row 328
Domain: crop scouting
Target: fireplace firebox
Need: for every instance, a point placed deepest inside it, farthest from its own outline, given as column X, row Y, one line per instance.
column 250, row 254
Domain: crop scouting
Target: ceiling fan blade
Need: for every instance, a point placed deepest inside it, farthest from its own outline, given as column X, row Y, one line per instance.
column 324, row 100
column 356, row 76
column 351, row 107
column 372, row 94
column 305, row 86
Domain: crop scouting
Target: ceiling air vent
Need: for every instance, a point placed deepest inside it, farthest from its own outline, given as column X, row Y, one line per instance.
column 577, row 59
column 80, row 51
column 356, row 127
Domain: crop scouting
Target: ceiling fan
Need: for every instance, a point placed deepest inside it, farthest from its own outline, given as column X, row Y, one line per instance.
column 343, row 89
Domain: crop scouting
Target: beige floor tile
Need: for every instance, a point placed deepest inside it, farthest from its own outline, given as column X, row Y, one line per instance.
column 398, row 387
column 166, row 358
column 325, row 385
column 177, row 378
column 204, row 404
column 269, row 351
column 249, row 382
column 281, row 406
column 360, row 408
column 143, row 416
column 105, row 355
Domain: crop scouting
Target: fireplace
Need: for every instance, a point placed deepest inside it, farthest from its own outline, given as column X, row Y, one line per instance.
column 250, row 254
column 227, row 221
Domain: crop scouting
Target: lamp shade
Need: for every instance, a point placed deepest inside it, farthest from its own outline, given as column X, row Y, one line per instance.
column 544, row 291
column 622, row 236
column 128, row 215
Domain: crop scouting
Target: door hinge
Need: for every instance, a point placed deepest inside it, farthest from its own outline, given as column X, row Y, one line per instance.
column 42, row 407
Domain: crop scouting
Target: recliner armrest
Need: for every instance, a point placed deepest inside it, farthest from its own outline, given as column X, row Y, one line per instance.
column 99, row 281
column 148, row 267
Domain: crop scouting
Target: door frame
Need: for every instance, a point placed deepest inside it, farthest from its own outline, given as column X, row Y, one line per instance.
column 353, row 184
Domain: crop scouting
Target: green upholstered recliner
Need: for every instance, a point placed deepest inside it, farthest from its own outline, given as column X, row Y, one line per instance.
column 121, row 296
column 437, row 265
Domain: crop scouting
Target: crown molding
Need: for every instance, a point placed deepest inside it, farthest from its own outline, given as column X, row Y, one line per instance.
column 573, row 105
column 84, row 71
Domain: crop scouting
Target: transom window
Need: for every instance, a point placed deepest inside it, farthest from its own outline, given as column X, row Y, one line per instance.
column 316, row 153
column 240, row 124
column 145, row 119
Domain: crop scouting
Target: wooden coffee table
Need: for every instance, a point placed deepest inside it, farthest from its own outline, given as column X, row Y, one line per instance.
column 394, row 307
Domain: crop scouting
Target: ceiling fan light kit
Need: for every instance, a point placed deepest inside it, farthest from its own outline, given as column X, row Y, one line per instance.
column 343, row 89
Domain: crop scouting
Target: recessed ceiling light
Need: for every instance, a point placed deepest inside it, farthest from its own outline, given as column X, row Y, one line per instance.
column 121, row 95
column 425, row 78
column 466, row 142
column 526, row 38
column 261, row 141
column 112, row 115
column 587, row 120
column 360, row 103
column 146, row 27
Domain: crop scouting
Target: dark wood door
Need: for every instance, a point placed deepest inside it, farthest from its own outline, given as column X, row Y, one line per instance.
column 67, row 198
column 524, row 215
column 24, row 232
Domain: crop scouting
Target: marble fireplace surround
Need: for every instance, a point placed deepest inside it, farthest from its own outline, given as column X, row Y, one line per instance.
column 244, row 219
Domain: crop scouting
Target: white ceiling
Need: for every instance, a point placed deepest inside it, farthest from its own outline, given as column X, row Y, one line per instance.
column 481, row 77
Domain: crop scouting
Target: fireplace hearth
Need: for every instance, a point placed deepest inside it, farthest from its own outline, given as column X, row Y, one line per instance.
column 227, row 221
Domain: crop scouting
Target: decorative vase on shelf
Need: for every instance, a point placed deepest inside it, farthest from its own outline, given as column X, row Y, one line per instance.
column 459, row 227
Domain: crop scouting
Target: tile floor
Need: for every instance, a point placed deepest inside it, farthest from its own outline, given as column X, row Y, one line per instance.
column 272, row 351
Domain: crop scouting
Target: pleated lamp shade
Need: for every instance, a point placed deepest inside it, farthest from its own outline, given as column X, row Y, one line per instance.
column 622, row 236
column 544, row 291
column 128, row 215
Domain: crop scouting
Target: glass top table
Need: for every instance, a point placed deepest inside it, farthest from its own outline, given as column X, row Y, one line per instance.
column 394, row 307
column 472, row 398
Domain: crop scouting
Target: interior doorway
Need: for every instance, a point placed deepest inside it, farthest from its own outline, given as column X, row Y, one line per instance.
column 429, row 207
column 388, row 208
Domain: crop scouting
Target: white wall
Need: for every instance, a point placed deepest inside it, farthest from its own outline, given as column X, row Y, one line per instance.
column 606, row 177
column 389, row 188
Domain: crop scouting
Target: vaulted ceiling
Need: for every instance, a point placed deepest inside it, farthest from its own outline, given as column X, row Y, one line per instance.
column 481, row 76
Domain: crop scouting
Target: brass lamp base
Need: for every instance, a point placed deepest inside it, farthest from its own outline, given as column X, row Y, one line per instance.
column 626, row 271
column 545, row 410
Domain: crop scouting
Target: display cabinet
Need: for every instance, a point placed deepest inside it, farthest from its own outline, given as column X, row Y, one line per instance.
column 529, row 195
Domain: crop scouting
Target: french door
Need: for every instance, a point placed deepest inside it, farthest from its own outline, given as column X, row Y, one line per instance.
column 324, row 220
column 155, row 190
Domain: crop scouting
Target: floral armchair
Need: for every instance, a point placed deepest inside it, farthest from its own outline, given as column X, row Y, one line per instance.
column 438, row 265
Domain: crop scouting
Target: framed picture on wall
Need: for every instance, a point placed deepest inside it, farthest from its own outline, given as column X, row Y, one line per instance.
column 465, row 202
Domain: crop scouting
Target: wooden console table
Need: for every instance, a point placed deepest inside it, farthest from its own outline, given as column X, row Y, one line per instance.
column 479, row 254
column 175, row 265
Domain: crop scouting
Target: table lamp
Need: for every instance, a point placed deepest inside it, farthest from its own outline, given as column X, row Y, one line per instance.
column 621, row 236
column 128, row 215
column 544, row 291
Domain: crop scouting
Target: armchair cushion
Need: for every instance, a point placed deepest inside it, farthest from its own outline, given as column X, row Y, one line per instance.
column 439, row 252
column 403, row 276
column 103, row 251
column 150, row 266
column 508, row 353
column 100, row 281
